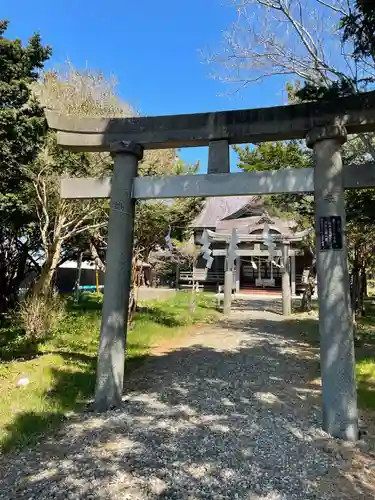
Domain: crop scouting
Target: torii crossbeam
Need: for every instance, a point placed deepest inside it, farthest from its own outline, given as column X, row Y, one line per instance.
column 325, row 128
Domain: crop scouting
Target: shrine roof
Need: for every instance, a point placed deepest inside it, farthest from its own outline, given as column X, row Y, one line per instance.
column 245, row 213
column 217, row 209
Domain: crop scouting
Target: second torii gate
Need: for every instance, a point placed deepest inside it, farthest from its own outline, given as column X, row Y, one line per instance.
column 325, row 129
column 285, row 255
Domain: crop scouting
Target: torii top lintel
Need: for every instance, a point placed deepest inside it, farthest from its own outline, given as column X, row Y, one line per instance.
column 356, row 113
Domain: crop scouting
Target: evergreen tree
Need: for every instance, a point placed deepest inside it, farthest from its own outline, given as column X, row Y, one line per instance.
column 359, row 27
column 22, row 131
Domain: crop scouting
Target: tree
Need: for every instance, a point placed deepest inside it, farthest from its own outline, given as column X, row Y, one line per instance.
column 295, row 38
column 22, row 131
column 360, row 204
column 359, row 27
column 156, row 218
column 59, row 220
column 151, row 226
column 273, row 156
column 90, row 93
column 328, row 45
column 66, row 227
column 183, row 254
column 290, row 38
column 188, row 253
column 360, row 210
column 153, row 221
column 79, row 93
column 299, row 207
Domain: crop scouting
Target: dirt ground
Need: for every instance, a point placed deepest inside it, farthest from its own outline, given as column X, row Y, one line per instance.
column 229, row 411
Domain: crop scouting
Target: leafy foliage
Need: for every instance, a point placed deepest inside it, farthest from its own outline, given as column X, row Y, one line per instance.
column 154, row 219
column 360, row 204
column 359, row 27
column 320, row 92
column 22, row 132
column 22, row 123
column 76, row 226
column 273, row 156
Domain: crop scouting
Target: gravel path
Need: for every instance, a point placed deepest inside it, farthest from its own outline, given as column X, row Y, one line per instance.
column 230, row 412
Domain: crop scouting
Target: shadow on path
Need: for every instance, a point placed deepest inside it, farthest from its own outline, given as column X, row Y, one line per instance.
column 268, row 304
column 233, row 415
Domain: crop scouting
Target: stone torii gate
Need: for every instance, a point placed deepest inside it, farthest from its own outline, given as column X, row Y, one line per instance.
column 288, row 289
column 325, row 128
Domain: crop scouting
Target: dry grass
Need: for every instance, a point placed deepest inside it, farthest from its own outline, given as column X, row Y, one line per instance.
column 39, row 315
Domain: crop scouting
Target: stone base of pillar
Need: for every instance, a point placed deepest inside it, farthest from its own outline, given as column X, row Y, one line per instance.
column 293, row 273
column 228, row 285
column 286, row 292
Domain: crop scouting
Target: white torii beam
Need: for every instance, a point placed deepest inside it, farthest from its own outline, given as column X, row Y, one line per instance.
column 211, row 185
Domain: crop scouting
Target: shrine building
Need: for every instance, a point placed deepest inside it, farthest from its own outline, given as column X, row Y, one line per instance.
column 253, row 269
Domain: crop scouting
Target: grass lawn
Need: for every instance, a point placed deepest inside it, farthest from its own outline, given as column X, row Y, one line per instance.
column 364, row 352
column 61, row 369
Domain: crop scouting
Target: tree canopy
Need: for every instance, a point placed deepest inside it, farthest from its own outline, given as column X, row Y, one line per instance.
column 22, row 132
column 22, row 122
column 272, row 156
column 275, row 156
column 39, row 230
column 359, row 27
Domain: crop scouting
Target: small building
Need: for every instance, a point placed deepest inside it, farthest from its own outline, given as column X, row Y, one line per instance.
column 253, row 268
column 66, row 276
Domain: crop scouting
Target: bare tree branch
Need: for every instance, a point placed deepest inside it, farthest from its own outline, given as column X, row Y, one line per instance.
column 271, row 37
column 335, row 8
column 291, row 37
column 79, row 219
column 75, row 231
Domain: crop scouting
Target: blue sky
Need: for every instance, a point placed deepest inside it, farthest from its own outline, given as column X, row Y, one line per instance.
column 153, row 48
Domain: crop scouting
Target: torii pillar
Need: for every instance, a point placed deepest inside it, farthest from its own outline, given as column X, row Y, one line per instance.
column 219, row 162
column 335, row 318
column 117, row 283
column 285, row 280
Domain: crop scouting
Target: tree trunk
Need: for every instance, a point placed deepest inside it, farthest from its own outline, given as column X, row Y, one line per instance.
column 78, row 277
column 306, row 302
column 133, row 292
column 134, row 280
column 355, row 291
column 95, row 257
column 43, row 284
column 13, row 270
column 365, row 290
column 132, row 306
column 177, row 286
column 362, row 285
